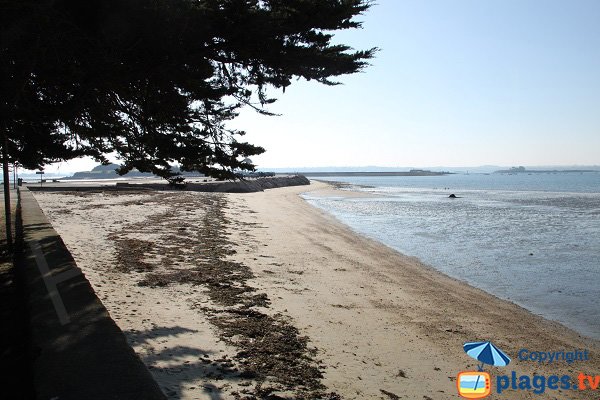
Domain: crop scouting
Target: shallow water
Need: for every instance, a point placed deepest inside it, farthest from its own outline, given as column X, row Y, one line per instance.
column 532, row 239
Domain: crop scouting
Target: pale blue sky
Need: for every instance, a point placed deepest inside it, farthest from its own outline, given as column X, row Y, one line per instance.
column 456, row 83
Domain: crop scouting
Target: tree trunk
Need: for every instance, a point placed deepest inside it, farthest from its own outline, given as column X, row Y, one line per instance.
column 7, row 195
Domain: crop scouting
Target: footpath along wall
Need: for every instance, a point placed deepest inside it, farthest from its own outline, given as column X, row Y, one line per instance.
column 78, row 351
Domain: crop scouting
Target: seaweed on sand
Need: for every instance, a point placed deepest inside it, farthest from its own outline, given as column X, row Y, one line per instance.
column 128, row 255
column 271, row 351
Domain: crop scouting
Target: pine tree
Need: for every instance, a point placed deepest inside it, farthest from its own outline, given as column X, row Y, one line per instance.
column 156, row 81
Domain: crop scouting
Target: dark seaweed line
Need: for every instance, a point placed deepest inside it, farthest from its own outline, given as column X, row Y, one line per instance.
column 271, row 350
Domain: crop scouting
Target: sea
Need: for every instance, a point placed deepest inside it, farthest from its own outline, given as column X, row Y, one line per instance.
column 533, row 239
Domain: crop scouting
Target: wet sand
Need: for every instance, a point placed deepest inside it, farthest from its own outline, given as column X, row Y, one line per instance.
column 377, row 324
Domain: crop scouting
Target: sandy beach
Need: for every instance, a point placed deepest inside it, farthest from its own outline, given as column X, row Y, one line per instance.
column 245, row 296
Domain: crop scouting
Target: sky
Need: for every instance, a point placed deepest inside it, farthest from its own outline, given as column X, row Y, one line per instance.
column 456, row 83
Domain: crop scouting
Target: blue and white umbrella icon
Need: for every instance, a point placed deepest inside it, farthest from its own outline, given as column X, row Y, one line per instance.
column 486, row 353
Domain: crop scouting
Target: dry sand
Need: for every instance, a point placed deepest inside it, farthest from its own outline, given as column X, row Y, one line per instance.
column 384, row 326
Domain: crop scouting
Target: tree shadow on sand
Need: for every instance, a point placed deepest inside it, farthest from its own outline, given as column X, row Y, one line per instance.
column 179, row 368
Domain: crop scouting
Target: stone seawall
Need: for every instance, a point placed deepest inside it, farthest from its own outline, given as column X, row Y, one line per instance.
column 241, row 186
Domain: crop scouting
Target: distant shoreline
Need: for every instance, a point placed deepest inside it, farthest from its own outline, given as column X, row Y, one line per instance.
column 386, row 173
column 541, row 171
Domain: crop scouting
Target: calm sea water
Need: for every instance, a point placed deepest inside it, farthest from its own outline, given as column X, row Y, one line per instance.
column 532, row 239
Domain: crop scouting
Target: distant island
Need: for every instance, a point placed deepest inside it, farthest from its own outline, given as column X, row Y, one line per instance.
column 109, row 172
column 523, row 170
column 106, row 172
